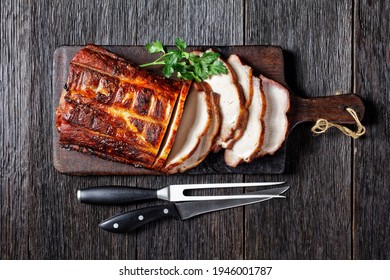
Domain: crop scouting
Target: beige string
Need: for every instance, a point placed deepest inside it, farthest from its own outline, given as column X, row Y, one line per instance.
column 322, row 126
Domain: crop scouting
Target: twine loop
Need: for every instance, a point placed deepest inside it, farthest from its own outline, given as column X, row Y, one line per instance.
column 322, row 125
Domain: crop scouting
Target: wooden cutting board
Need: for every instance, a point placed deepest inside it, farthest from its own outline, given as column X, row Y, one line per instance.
column 266, row 60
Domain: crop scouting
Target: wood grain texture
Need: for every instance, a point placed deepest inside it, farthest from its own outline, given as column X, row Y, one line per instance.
column 315, row 221
column 338, row 204
column 330, row 108
column 372, row 194
column 14, row 130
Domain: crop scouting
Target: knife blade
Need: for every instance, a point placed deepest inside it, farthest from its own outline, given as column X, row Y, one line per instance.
column 118, row 195
column 132, row 220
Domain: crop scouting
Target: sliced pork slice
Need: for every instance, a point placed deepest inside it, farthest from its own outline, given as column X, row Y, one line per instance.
column 247, row 147
column 206, row 142
column 195, row 122
column 244, row 77
column 275, row 118
column 232, row 106
column 172, row 131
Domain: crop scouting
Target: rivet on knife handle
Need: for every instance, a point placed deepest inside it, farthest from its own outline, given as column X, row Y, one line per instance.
column 114, row 195
column 132, row 220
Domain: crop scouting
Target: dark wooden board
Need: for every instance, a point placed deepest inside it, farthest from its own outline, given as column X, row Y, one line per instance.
column 267, row 60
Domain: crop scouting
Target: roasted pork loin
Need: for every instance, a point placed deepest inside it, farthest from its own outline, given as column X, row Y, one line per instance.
column 196, row 120
column 275, row 119
column 117, row 111
column 248, row 146
column 195, row 138
column 234, row 115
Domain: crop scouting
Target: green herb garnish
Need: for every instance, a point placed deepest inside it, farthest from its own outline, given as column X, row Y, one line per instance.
column 187, row 66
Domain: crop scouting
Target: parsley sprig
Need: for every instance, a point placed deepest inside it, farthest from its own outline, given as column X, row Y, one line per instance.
column 188, row 66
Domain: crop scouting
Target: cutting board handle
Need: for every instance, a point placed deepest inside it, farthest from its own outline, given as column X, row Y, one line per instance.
column 331, row 108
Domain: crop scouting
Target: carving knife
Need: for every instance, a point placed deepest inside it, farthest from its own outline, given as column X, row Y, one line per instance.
column 132, row 220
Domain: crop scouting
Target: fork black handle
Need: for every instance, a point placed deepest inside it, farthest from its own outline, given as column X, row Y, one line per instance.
column 115, row 195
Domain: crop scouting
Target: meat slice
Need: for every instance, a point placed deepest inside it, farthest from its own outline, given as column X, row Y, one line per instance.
column 244, row 77
column 171, row 134
column 116, row 111
column 232, row 106
column 275, row 118
column 194, row 125
column 207, row 141
column 247, row 147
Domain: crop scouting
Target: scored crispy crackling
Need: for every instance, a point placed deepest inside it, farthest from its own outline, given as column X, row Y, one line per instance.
column 114, row 110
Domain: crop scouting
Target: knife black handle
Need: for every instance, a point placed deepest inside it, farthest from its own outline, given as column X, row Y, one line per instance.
column 132, row 220
column 114, row 195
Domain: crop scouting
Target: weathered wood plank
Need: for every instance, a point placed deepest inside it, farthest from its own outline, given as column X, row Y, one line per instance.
column 371, row 235
column 40, row 216
column 315, row 221
column 215, row 235
column 14, row 138
column 60, row 227
column 211, row 23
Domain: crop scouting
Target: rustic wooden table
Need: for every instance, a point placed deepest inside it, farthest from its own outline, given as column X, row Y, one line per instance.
column 339, row 203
